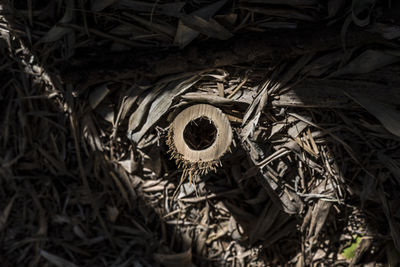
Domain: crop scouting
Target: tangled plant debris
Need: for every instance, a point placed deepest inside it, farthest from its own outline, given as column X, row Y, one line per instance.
column 89, row 94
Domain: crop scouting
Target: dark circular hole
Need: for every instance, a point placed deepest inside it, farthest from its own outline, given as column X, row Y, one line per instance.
column 200, row 133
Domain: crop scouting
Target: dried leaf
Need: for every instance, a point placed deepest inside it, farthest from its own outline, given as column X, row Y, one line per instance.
column 264, row 222
column 184, row 34
column 112, row 213
column 211, row 99
column 170, row 9
column 91, row 134
column 139, row 115
column 319, row 215
column 6, row 212
column 56, row 260
column 160, row 105
column 368, row 61
column 297, row 129
column 386, row 114
column 360, row 7
column 280, row 12
column 98, row 94
column 389, row 32
column 286, row 227
column 128, row 165
column 393, row 256
column 99, row 5
column 278, row 25
column 393, row 224
column 210, row 27
column 300, row 3
column 391, row 164
column 175, row 260
column 334, row 6
column 161, row 27
column 368, row 188
column 56, row 32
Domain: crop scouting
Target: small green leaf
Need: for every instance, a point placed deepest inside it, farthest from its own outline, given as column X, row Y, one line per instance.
column 349, row 252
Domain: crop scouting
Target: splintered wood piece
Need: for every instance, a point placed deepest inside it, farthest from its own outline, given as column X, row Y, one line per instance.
column 198, row 137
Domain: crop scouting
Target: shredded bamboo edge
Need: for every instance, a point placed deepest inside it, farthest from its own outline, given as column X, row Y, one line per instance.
column 191, row 167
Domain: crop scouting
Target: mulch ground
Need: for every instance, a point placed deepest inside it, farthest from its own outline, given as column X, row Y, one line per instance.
column 88, row 90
